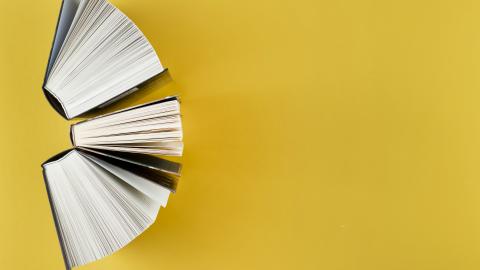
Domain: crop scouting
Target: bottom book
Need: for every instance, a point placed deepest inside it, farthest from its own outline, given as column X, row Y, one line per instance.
column 101, row 201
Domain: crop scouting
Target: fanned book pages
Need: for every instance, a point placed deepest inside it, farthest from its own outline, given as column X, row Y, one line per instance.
column 98, row 56
column 108, row 189
column 153, row 128
column 102, row 201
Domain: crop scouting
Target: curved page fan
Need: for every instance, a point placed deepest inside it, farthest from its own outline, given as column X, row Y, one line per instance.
column 102, row 202
column 98, row 56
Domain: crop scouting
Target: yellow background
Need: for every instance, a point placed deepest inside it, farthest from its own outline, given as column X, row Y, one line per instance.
column 319, row 135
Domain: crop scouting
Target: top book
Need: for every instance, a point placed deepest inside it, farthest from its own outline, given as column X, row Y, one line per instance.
column 98, row 55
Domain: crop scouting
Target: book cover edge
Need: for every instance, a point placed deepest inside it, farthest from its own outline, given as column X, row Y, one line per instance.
column 51, row 98
column 48, row 95
column 55, row 220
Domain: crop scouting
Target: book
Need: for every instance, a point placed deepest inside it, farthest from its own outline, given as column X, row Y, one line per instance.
column 98, row 55
column 108, row 189
column 152, row 128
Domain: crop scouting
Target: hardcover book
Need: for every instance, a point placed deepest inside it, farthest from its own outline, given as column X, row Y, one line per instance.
column 98, row 55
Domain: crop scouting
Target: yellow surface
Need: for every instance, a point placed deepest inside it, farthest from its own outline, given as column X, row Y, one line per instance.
column 319, row 135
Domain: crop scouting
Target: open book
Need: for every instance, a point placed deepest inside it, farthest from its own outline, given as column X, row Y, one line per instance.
column 107, row 189
column 98, row 55
column 152, row 128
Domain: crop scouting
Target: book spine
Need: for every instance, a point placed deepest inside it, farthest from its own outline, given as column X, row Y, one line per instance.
column 72, row 135
column 55, row 103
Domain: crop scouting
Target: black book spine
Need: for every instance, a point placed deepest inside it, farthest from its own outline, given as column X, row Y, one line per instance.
column 72, row 136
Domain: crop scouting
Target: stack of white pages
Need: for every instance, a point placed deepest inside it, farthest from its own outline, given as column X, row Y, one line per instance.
column 110, row 186
column 153, row 128
column 98, row 55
